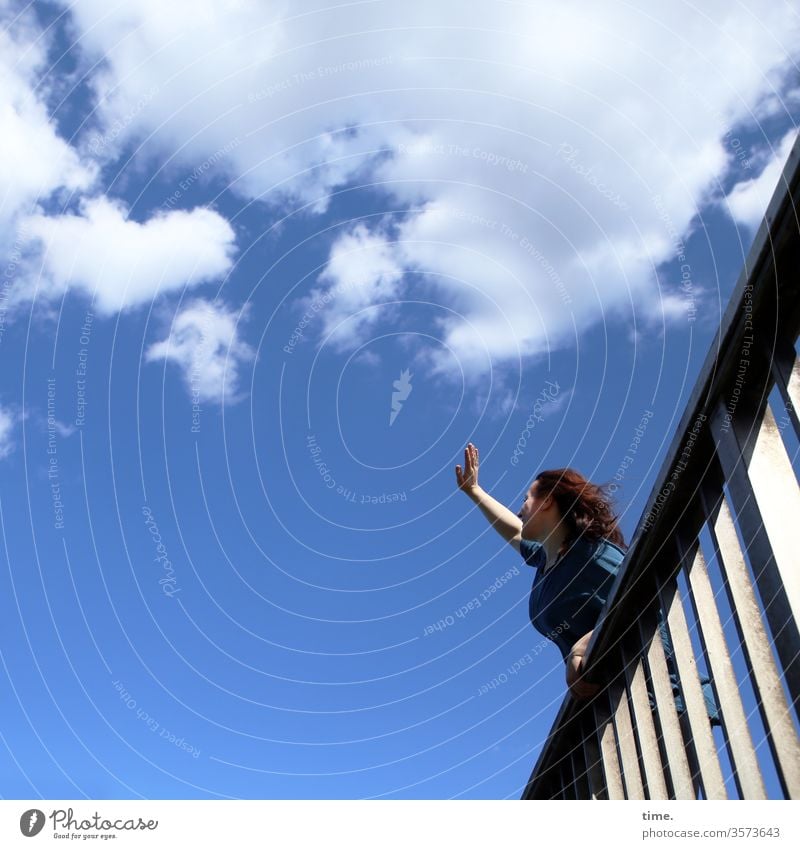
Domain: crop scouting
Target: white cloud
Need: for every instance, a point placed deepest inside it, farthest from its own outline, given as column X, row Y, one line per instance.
column 34, row 160
column 368, row 358
column 782, row 103
column 7, row 422
column 747, row 202
column 204, row 341
column 362, row 273
column 672, row 307
column 122, row 263
column 555, row 130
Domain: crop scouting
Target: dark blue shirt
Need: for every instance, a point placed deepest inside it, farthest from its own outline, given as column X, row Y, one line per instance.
column 566, row 601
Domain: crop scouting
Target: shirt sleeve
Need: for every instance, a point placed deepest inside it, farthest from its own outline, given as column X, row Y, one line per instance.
column 532, row 552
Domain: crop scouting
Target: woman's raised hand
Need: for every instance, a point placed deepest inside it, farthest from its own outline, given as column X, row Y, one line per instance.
column 467, row 479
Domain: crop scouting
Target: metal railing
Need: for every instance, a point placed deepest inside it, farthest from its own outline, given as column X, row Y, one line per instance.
column 715, row 564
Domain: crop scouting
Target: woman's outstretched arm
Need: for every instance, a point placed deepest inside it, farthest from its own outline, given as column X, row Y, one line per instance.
column 499, row 516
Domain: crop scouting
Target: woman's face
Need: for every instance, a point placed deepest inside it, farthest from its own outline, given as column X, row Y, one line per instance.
column 539, row 515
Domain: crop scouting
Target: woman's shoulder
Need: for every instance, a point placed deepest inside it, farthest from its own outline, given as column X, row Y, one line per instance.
column 581, row 551
column 613, row 545
column 609, row 552
column 598, row 550
column 532, row 552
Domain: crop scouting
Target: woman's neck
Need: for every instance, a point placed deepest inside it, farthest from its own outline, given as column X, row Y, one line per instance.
column 553, row 543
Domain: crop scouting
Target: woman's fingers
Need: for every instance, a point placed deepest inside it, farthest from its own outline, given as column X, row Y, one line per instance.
column 468, row 476
column 584, row 690
column 577, row 686
column 471, row 458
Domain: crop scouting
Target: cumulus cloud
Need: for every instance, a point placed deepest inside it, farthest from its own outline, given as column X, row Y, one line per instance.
column 117, row 261
column 747, row 202
column 7, row 422
column 362, row 274
column 521, row 168
column 121, row 263
column 204, row 342
column 34, row 160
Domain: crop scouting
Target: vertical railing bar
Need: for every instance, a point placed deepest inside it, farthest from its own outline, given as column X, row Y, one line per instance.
column 550, row 786
column 626, row 744
column 560, row 781
column 591, row 754
column 769, row 577
column 579, row 773
column 786, row 371
column 656, row 786
column 667, row 713
column 662, row 751
column 693, row 699
column 738, row 740
column 756, row 650
column 561, row 771
column 568, row 779
column 548, row 782
column 775, row 485
column 608, row 748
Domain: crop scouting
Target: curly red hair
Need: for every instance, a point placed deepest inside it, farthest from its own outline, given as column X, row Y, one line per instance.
column 585, row 506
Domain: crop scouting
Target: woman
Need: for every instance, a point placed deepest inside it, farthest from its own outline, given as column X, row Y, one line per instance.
column 568, row 532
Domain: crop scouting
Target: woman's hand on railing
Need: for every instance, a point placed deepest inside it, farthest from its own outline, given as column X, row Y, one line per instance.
column 579, row 688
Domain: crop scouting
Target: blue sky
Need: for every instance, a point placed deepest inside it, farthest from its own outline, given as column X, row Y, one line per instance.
column 227, row 234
